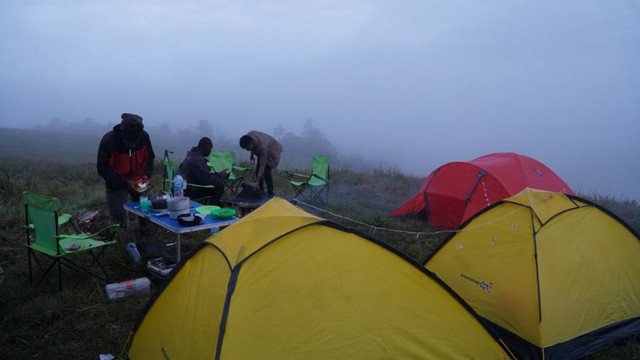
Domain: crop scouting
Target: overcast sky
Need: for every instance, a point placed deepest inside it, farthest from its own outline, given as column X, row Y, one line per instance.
column 416, row 83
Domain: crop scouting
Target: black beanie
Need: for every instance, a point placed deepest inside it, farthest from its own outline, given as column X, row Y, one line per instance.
column 131, row 122
column 131, row 127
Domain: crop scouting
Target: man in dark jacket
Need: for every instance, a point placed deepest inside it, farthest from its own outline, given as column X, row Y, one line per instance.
column 125, row 157
column 202, row 184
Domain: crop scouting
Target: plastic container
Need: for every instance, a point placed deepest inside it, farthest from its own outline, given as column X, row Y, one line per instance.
column 178, row 206
column 160, row 266
column 128, row 288
column 179, row 184
column 132, row 249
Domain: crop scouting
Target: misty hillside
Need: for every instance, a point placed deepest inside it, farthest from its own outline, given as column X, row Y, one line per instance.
column 45, row 145
column 78, row 143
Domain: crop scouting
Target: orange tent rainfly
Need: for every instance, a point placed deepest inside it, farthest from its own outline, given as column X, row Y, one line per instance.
column 455, row 191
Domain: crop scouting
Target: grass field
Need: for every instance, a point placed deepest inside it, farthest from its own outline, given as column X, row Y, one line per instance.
column 81, row 323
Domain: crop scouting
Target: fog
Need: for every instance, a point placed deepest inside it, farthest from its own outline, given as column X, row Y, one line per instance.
column 411, row 83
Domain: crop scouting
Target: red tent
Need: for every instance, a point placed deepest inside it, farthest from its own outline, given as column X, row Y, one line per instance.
column 456, row 190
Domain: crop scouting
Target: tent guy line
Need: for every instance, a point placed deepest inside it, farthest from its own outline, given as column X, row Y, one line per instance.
column 375, row 228
column 416, row 233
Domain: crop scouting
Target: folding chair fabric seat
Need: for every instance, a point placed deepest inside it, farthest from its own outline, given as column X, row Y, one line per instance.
column 220, row 161
column 42, row 224
column 313, row 187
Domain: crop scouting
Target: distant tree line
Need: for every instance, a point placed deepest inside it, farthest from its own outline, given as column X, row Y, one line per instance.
column 298, row 148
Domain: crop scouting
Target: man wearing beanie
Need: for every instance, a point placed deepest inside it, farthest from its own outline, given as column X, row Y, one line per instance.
column 202, row 184
column 125, row 156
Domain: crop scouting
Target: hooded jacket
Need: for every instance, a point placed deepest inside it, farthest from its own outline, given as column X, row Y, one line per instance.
column 118, row 162
column 194, row 170
column 266, row 149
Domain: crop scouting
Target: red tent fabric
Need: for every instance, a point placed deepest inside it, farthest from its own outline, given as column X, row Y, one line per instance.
column 455, row 191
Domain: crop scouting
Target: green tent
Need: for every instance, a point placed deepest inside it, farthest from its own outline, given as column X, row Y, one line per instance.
column 284, row 284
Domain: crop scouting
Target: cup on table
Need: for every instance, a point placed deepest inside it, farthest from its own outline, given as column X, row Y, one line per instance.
column 145, row 204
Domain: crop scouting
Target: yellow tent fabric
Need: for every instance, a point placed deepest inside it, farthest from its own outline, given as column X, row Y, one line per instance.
column 284, row 284
column 556, row 273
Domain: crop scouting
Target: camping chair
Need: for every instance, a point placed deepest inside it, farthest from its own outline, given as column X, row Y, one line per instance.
column 43, row 223
column 169, row 171
column 220, row 161
column 315, row 186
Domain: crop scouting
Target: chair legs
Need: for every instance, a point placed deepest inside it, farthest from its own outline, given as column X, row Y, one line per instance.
column 43, row 272
column 320, row 194
column 312, row 194
column 232, row 187
column 299, row 190
column 69, row 264
column 87, row 269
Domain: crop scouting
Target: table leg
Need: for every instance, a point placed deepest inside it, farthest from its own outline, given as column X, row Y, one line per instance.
column 178, row 249
column 126, row 226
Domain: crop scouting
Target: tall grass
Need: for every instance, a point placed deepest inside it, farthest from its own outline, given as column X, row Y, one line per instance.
column 81, row 323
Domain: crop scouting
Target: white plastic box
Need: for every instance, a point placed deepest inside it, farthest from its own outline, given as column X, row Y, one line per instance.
column 128, row 288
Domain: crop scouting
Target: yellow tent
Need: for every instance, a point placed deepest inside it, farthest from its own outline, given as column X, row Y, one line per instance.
column 557, row 276
column 284, row 284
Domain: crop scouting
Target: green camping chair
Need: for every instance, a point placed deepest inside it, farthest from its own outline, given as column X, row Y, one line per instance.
column 315, row 186
column 169, row 171
column 44, row 240
column 220, row 161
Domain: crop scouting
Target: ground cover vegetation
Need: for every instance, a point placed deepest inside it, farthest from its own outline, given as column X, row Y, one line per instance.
column 81, row 323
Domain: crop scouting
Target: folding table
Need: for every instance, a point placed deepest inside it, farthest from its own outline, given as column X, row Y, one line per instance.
column 163, row 220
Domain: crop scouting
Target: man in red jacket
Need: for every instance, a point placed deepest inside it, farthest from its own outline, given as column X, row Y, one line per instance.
column 125, row 156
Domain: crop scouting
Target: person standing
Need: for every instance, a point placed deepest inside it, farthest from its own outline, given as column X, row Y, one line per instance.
column 125, row 156
column 202, row 184
column 267, row 150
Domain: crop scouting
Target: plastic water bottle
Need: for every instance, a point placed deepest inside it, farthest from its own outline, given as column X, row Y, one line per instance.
column 132, row 249
column 178, row 185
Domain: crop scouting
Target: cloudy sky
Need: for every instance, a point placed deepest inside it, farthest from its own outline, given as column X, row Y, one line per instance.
column 415, row 83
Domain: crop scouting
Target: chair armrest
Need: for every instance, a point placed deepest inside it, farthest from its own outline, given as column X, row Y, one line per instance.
column 201, row 186
column 81, row 236
column 64, row 218
column 292, row 175
column 301, row 175
column 239, row 171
